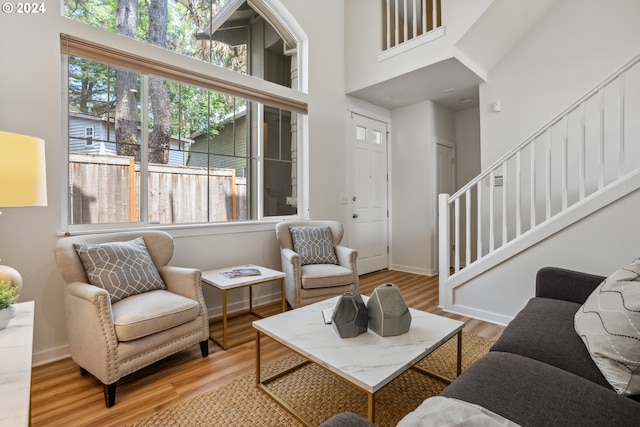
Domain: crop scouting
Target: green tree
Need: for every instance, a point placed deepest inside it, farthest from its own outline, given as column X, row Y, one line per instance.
column 175, row 108
column 126, row 120
column 160, row 138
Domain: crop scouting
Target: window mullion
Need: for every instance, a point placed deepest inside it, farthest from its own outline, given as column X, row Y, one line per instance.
column 144, row 149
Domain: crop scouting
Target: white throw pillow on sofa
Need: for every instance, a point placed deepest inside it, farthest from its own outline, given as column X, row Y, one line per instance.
column 609, row 324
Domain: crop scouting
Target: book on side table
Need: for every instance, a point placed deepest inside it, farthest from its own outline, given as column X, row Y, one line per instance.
column 240, row 272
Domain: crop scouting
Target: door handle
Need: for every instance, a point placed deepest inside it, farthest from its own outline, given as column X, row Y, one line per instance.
column 355, row 215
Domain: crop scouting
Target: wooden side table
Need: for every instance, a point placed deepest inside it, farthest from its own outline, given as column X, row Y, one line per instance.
column 216, row 279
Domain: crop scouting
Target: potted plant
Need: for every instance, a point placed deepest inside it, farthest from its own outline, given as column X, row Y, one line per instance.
column 8, row 297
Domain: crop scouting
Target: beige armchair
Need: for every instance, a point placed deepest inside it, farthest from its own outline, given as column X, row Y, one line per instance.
column 306, row 283
column 113, row 339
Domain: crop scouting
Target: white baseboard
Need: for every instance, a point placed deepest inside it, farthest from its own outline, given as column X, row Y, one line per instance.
column 50, row 355
column 485, row 316
column 414, row 270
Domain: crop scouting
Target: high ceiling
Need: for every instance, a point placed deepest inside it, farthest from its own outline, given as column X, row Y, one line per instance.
column 448, row 83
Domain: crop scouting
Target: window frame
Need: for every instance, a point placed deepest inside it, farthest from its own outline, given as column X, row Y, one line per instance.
column 262, row 222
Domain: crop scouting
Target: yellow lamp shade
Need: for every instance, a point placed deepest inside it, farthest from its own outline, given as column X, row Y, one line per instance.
column 22, row 171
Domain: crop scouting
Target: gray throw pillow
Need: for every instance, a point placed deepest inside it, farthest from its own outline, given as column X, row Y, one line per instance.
column 609, row 325
column 314, row 245
column 121, row 268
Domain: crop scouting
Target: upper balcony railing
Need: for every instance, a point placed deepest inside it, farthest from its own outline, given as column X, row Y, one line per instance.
column 404, row 20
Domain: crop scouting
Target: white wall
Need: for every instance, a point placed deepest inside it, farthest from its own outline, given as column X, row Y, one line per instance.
column 576, row 46
column 467, row 138
column 31, row 103
column 413, row 186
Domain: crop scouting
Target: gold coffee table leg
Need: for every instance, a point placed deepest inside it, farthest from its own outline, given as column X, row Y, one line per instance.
column 284, row 297
column 458, row 364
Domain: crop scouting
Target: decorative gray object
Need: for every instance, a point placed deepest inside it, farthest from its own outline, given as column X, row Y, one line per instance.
column 388, row 312
column 350, row 317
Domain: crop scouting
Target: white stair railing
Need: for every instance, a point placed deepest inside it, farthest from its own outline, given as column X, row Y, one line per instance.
column 587, row 148
column 404, row 20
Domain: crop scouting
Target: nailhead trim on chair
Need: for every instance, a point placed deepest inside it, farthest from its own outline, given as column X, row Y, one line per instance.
column 103, row 305
column 137, row 368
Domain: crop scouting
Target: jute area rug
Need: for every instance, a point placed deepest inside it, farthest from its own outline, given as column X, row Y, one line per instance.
column 317, row 394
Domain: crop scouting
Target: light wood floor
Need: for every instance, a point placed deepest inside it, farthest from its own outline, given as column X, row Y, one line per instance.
column 61, row 397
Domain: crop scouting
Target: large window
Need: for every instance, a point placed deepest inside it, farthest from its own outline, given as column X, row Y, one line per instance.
column 171, row 146
column 239, row 35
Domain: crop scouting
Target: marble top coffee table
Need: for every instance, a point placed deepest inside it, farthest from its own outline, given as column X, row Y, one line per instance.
column 367, row 361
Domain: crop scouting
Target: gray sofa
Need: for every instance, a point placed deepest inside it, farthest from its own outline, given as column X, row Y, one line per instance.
column 539, row 372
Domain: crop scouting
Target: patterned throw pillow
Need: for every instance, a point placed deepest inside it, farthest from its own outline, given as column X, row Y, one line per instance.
column 314, row 245
column 121, row 268
column 609, row 325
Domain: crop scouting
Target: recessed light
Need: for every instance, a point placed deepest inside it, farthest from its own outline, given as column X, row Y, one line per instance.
column 466, row 100
column 451, row 89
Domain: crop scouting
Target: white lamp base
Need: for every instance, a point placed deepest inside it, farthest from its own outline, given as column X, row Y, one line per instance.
column 10, row 274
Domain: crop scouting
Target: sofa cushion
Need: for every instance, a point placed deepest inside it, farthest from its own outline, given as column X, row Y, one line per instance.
column 532, row 393
column 609, row 324
column 314, row 245
column 440, row 411
column 543, row 330
column 144, row 314
column 315, row 276
column 121, row 268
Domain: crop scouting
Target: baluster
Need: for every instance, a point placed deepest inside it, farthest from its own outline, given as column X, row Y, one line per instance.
column 532, row 200
column 435, row 14
column 424, row 15
column 548, row 174
column 443, row 223
column 415, row 18
column 468, row 227
column 565, row 165
column 492, row 177
column 601, row 140
column 518, row 197
column 479, row 220
column 504, row 203
column 388, row 24
column 456, row 225
column 406, row 22
column 582, row 153
column 397, row 29
column 621, row 97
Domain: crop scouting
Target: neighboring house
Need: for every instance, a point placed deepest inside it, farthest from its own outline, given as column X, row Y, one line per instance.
column 227, row 149
column 90, row 134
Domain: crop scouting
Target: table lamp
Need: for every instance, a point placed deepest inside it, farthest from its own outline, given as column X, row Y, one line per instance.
column 23, row 181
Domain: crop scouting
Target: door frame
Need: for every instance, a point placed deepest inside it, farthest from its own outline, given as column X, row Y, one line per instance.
column 450, row 144
column 347, row 202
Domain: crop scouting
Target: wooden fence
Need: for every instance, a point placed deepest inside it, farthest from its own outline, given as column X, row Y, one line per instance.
column 106, row 189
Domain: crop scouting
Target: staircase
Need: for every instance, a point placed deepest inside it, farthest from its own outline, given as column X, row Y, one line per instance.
column 586, row 158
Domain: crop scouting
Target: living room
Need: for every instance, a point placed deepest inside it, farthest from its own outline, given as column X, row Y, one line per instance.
column 573, row 46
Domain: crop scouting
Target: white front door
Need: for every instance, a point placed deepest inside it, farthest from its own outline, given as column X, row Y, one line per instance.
column 369, row 227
